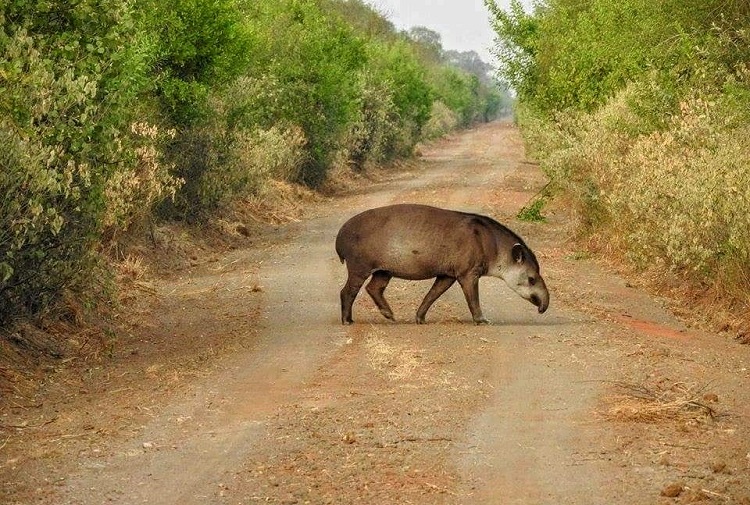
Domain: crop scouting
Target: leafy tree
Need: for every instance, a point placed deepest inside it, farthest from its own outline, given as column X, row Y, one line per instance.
column 428, row 43
column 517, row 46
column 471, row 62
column 199, row 45
column 316, row 80
column 363, row 17
column 572, row 54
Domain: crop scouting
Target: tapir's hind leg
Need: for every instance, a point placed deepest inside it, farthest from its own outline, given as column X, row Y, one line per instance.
column 376, row 287
column 440, row 286
column 349, row 293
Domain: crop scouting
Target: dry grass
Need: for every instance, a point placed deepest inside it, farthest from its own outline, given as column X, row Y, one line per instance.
column 397, row 362
column 672, row 203
column 131, row 268
column 280, row 202
column 678, row 401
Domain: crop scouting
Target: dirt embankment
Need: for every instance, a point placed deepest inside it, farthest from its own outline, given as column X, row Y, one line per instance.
column 232, row 380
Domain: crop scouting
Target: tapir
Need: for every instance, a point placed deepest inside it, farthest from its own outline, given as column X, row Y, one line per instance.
column 417, row 242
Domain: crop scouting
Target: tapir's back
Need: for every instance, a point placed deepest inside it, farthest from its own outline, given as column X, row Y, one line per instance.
column 409, row 240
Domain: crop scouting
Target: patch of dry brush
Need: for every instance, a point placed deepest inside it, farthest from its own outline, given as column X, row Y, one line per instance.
column 662, row 402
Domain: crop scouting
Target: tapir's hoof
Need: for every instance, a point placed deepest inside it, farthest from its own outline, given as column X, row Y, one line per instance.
column 420, row 320
column 481, row 322
column 388, row 315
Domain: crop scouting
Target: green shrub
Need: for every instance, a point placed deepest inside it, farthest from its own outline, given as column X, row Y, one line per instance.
column 676, row 197
column 442, row 121
column 257, row 157
column 460, row 92
column 315, row 83
column 532, row 211
column 373, row 134
column 71, row 74
column 404, row 78
column 199, row 46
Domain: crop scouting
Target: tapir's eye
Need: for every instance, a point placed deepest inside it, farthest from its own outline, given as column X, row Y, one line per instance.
column 532, row 281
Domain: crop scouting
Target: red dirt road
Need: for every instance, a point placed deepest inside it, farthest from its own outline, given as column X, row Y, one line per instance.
column 604, row 399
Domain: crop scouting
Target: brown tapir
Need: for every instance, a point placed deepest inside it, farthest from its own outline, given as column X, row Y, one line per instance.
column 417, row 242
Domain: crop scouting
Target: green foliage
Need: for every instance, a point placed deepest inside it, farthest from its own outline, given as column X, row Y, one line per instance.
column 373, row 134
column 314, row 85
column 218, row 166
column 109, row 110
column 457, row 90
column 69, row 78
column 639, row 111
column 572, row 54
column 404, row 78
column 442, row 121
column 362, row 17
column 516, row 50
column 199, row 45
column 532, row 212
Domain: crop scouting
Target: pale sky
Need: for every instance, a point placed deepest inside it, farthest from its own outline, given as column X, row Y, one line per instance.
column 463, row 24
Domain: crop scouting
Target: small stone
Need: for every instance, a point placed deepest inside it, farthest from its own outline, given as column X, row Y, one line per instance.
column 148, row 445
column 673, row 490
column 719, row 467
column 711, row 397
column 349, row 438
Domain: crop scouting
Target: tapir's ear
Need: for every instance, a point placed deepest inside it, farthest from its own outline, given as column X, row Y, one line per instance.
column 517, row 253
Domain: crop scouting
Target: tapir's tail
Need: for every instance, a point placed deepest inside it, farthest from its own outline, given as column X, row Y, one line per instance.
column 338, row 251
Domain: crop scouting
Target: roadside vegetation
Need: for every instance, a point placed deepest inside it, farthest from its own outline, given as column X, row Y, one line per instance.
column 118, row 114
column 639, row 112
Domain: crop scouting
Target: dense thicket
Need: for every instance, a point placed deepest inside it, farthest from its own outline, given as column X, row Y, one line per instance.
column 640, row 110
column 114, row 112
column 74, row 160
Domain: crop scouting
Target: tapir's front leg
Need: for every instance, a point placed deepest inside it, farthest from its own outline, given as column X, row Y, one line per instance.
column 470, row 287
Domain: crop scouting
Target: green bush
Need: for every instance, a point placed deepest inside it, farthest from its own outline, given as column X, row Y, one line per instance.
column 443, row 120
column 315, row 83
column 373, row 134
column 639, row 110
column 199, row 46
column 404, row 79
column 71, row 74
column 459, row 91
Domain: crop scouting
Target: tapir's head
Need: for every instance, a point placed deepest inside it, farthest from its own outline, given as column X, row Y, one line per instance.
column 523, row 277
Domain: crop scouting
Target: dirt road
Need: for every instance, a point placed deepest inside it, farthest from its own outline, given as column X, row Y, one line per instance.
column 604, row 399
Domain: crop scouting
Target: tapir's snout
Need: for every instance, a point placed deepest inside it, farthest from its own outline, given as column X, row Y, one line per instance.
column 541, row 299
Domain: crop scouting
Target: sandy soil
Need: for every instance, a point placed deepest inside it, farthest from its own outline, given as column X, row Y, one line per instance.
column 233, row 382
